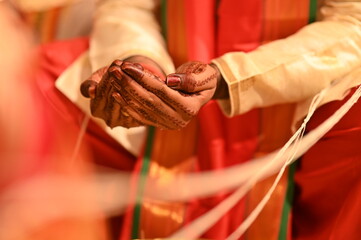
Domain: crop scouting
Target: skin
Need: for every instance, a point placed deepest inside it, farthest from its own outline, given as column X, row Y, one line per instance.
column 129, row 95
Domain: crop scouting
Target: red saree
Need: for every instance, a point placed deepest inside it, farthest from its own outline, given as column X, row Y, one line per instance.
column 54, row 59
column 213, row 141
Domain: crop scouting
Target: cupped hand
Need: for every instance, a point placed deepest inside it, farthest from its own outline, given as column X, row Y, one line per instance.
column 129, row 95
column 170, row 104
column 101, row 87
column 198, row 77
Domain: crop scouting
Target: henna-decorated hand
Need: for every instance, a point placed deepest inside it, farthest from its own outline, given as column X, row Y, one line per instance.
column 169, row 105
column 101, row 87
column 128, row 95
column 189, row 80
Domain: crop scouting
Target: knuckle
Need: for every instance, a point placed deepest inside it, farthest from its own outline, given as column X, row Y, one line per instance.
column 117, row 62
column 163, row 88
column 189, row 83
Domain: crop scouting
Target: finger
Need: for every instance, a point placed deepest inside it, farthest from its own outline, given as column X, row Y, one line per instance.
column 97, row 75
column 134, row 110
column 182, row 81
column 112, row 74
column 152, row 104
column 149, row 114
column 115, row 69
column 100, row 103
column 129, row 116
column 146, row 118
column 87, row 88
column 129, row 121
column 137, row 71
column 121, row 117
column 113, row 114
column 103, row 103
column 184, row 104
column 112, row 111
column 125, row 119
column 192, row 83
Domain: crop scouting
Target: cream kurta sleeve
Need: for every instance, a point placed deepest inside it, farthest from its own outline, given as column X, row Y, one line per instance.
column 121, row 28
column 296, row 68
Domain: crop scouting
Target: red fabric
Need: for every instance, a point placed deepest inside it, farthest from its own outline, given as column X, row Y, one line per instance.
column 328, row 180
column 126, row 227
column 54, row 59
column 222, row 141
column 239, row 25
column 200, row 22
column 66, row 118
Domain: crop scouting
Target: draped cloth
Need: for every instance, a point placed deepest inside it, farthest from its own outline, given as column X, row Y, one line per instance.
column 328, row 180
column 213, row 142
column 54, row 58
column 196, row 35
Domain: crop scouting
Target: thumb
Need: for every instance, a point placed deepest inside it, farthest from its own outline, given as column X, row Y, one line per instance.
column 87, row 88
column 182, row 81
column 193, row 77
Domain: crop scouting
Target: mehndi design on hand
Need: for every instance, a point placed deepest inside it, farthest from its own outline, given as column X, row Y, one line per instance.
column 102, row 88
column 173, row 103
column 129, row 95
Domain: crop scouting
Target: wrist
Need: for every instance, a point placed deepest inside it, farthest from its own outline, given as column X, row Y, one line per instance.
column 222, row 87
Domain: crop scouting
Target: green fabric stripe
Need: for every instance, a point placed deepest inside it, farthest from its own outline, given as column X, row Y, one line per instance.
column 287, row 202
column 150, row 140
column 292, row 168
column 141, row 182
column 163, row 12
column 39, row 20
column 312, row 11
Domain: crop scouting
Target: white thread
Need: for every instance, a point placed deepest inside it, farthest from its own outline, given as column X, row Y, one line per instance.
column 196, row 228
column 79, row 138
column 297, row 137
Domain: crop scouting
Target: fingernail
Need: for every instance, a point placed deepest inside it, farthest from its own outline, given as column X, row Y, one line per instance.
column 139, row 66
column 124, row 112
column 173, row 81
column 115, row 71
column 91, row 91
column 126, row 65
column 117, row 62
column 118, row 98
column 135, row 70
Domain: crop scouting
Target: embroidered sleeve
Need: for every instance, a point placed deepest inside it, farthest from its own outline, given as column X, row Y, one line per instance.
column 297, row 67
